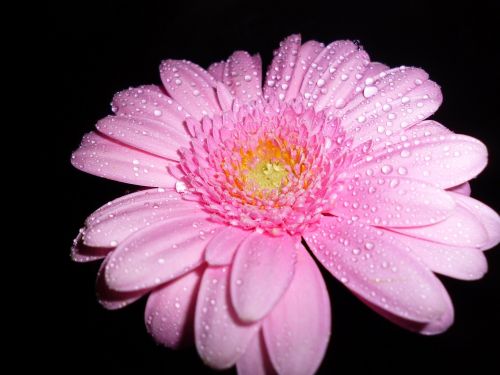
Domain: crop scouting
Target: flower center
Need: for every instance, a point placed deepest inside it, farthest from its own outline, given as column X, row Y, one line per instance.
column 265, row 168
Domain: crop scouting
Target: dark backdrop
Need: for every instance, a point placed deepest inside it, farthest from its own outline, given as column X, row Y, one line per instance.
column 100, row 50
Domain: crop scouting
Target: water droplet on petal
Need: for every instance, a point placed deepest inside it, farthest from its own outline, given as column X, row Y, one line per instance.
column 402, row 170
column 369, row 91
column 369, row 245
column 386, row 169
column 180, row 187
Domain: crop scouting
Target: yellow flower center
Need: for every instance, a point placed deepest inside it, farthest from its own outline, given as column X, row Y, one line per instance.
column 268, row 174
column 264, row 168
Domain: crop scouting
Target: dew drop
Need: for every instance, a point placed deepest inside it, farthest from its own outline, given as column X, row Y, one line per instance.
column 369, row 245
column 369, row 91
column 394, row 183
column 386, row 169
column 180, row 187
column 402, row 171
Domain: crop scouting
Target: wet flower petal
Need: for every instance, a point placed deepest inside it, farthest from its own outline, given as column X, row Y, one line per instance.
column 169, row 313
column 103, row 157
column 149, row 258
column 221, row 338
column 298, row 329
column 375, row 265
column 262, row 271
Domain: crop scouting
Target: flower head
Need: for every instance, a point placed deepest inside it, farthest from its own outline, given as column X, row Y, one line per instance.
column 331, row 150
column 267, row 166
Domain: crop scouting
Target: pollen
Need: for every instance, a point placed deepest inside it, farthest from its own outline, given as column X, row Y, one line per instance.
column 266, row 167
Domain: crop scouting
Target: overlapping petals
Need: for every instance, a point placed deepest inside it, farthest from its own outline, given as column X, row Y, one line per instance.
column 330, row 152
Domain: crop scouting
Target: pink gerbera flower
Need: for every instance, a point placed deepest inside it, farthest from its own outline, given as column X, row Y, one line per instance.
column 331, row 152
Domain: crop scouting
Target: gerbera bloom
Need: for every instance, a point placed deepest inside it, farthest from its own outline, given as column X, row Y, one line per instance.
column 330, row 152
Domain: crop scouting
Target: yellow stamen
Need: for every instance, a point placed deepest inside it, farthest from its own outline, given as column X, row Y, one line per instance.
column 265, row 167
column 268, row 175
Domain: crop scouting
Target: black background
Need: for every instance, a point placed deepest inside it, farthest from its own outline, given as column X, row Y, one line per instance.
column 104, row 49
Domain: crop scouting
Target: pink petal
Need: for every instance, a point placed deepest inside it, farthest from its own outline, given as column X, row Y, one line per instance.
column 217, row 70
column 343, row 82
column 262, row 270
column 224, row 96
column 488, row 218
column 409, row 136
column 146, row 135
column 464, row 263
column 430, row 328
column 117, row 220
column 399, row 99
column 330, row 56
column 111, row 299
column 150, row 102
column 103, row 157
column 220, row 250
column 461, row 228
column 442, row 160
column 82, row 253
column 376, row 266
column 297, row 331
column 169, row 313
column 333, row 74
column 190, row 86
column 243, row 77
column 159, row 253
column 371, row 73
column 281, row 69
column 307, row 53
column 123, row 203
column 220, row 337
column 257, row 61
column 394, row 202
column 255, row 360
column 463, row 189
